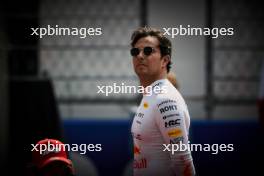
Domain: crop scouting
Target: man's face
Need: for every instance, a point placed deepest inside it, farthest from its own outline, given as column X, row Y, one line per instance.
column 148, row 65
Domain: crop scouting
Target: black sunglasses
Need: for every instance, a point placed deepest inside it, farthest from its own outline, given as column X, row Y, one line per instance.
column 146, row 50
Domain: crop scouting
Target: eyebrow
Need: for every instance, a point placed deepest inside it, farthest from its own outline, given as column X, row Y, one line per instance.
column 147, row 46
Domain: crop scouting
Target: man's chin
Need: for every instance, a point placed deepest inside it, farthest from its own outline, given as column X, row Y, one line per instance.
column 141, row 72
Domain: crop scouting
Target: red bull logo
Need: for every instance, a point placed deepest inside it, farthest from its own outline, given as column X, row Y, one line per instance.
column 136, row 150
column 140, row 164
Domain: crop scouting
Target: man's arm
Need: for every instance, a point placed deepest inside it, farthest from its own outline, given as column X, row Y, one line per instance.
column 172, row 124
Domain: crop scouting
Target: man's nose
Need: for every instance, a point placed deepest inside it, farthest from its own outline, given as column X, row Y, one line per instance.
column 141, row 55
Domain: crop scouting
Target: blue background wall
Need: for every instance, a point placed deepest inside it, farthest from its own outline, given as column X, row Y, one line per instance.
column 114, row 135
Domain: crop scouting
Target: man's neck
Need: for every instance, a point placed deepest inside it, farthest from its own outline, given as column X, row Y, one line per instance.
column 146, row 81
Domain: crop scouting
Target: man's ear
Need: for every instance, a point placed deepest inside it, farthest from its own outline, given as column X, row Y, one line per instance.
column 166, row 60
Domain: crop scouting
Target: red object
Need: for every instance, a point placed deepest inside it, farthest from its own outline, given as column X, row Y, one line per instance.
column 49, row 150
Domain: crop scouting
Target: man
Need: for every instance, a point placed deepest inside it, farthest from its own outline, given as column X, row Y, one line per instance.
column 162, row 119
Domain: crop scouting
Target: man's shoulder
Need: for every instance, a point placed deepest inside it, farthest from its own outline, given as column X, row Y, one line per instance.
column 172, row 96
column 161, row 99
column 168, row 92
column 164, row 91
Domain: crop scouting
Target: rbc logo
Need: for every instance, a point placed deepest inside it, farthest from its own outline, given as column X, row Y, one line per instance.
column 172, row 123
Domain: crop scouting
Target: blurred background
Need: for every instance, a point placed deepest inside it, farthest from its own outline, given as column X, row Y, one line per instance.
column 48, row 86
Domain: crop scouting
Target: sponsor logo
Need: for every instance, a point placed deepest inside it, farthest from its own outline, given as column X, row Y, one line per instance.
column 166, row 101
column 171, row 115
column 137, row 136
column 158, row 84
column 140, row 114
column 168, row 108
column 137, row 121
column 176, row 140
column 159, row 89
column 145, row 105
column 172, row 123
column 136, row 150
column 175, row 132
column 140, row 164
